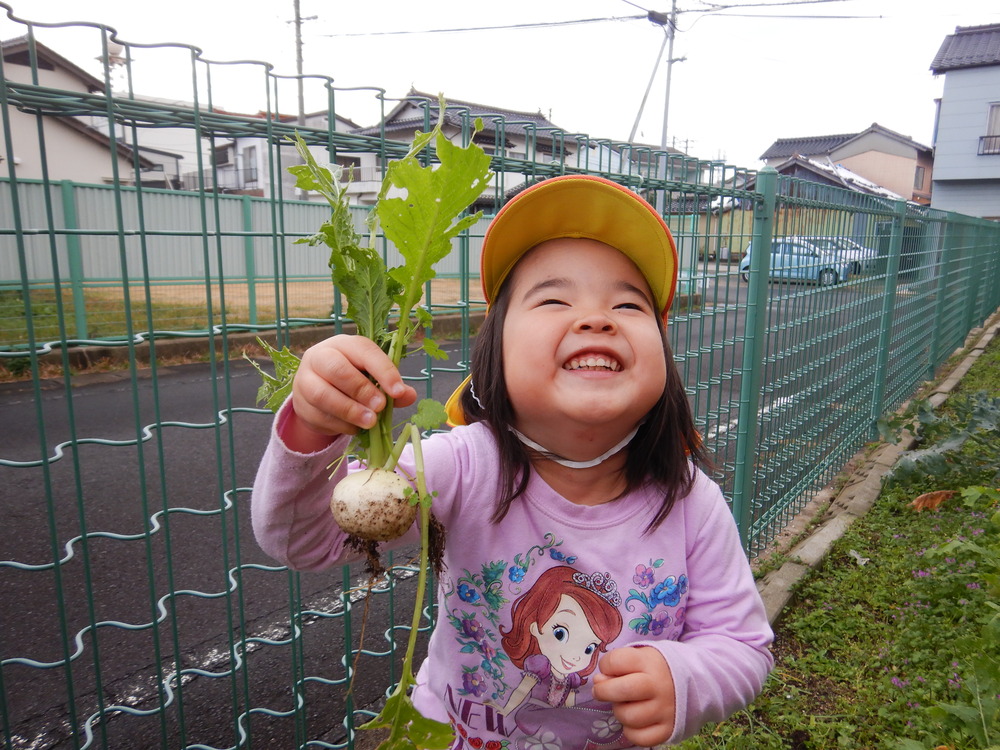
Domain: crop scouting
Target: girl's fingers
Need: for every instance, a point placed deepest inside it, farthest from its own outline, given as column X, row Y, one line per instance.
column 325, row 408
column 332, row 391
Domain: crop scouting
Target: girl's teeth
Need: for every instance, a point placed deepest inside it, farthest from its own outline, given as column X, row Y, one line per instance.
column 576, row 364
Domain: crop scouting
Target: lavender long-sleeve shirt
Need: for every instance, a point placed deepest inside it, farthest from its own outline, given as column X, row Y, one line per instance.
column 685, row 589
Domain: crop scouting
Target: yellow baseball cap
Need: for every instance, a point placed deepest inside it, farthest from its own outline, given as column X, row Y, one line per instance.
column 582, row 206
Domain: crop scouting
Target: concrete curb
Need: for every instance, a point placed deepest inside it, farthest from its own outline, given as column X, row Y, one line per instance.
column 777, row 588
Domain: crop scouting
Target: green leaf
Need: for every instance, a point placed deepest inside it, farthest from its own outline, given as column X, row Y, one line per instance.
column 408, row 728
column 276, row 388
column 432, row 349
column 356, row 268
column 430, row 414
column 310, row 176
column 369, row 291
column 422, row 223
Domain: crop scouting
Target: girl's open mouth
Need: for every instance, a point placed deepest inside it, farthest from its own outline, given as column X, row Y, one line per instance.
column 596, row 362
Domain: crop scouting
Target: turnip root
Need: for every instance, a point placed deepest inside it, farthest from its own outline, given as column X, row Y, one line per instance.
column 373, row 504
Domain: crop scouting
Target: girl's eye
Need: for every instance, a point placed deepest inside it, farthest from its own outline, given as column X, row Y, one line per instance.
column 552, row 302
column 560, row 633
column 590, row 649
column 629, row 306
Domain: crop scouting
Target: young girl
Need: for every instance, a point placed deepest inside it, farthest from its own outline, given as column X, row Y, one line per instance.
column 595, row 591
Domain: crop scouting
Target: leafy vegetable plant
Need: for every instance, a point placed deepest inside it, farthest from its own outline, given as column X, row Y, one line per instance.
column 419, row 209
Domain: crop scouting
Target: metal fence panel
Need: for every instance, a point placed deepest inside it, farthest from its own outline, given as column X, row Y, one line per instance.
column 137, row 610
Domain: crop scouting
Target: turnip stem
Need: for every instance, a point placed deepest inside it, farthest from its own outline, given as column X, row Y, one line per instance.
column 398, row 719
column 397, row 451
column 425, row 522
column 380, row 437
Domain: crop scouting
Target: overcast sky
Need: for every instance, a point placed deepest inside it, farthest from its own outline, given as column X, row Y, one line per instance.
column 750, row 74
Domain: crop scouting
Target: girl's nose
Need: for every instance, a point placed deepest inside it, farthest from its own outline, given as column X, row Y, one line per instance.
column 595, row 322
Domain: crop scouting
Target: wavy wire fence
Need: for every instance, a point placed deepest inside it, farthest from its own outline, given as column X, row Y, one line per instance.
column 136, row 609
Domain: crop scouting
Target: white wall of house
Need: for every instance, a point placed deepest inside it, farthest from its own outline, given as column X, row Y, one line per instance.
column 962, row 117
column 971, row 197
column 965, row 180
column 892, row 171
column 69, row 154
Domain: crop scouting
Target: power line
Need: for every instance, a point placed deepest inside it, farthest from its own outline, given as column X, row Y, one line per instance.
column 718, row 6
column 539, row 25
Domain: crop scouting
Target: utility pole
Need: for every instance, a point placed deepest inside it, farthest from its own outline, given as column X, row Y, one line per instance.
column 298, row 59
column 669, row 25
column 671, row 33
column 298, row 63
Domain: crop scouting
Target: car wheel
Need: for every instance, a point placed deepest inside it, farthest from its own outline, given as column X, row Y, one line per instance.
column 746, row 276
column 855, row 268
column 827, row 277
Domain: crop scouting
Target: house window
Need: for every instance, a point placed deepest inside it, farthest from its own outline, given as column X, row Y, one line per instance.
column 918, row 179
column 250, row 164
column 221, row 155
column 990, row 143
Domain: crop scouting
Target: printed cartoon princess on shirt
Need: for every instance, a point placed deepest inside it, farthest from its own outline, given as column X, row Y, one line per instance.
column 559, row 629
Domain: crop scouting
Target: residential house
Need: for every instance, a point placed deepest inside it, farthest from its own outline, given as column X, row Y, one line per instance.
column 967, row 128
column 879, row 155
column 837, row 175
column 70, row 148
column 242, row 165
column 78, row 147
column 518, row 136
column 813, row 174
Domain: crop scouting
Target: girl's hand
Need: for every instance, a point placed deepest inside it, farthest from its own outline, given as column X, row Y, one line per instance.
column 333, row 395
column 638, row 683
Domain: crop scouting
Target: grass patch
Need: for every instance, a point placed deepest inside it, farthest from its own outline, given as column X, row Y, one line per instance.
column 902, row 651
column 107, row 315
column 985, row 374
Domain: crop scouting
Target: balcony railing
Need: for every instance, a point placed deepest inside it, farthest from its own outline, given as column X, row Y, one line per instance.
column 989, row 144
column 222, row 178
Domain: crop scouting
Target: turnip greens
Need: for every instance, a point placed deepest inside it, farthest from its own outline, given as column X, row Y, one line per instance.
column 420, row 211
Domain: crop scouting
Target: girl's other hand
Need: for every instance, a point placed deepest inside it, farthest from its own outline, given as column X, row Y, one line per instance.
column 638, row 683
column 333, row 395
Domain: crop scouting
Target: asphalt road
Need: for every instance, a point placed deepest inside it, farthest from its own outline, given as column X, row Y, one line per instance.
column 97, row 500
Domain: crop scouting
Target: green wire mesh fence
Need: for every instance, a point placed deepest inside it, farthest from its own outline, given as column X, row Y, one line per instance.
column 135, row 607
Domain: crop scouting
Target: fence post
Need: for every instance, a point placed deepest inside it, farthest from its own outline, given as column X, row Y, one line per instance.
column 940, row 295
column 249, row 262
column 74, row 258
column 888, row 314
column 751, row 372
column 977, row 252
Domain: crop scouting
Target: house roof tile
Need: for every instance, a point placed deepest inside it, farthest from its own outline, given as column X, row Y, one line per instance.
column 516, row 122
column 968, row 47
column 824, row 145
column 808, row 146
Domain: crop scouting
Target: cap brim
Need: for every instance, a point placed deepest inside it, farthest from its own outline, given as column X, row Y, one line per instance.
column 581, row 206
column 453, row 406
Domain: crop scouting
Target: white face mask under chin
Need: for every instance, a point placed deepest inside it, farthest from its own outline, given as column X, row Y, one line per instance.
column 556, row 458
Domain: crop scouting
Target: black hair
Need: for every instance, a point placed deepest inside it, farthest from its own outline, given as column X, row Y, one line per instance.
column 659, row 455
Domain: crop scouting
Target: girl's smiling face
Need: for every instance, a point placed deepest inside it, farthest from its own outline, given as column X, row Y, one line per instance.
column 566, row 639
column 582, row 347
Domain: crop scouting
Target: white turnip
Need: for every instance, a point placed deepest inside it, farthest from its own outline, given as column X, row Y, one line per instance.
column 373, row 504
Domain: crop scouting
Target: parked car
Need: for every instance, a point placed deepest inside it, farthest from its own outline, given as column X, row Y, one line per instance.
column 861, row 258
column 794, row 259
